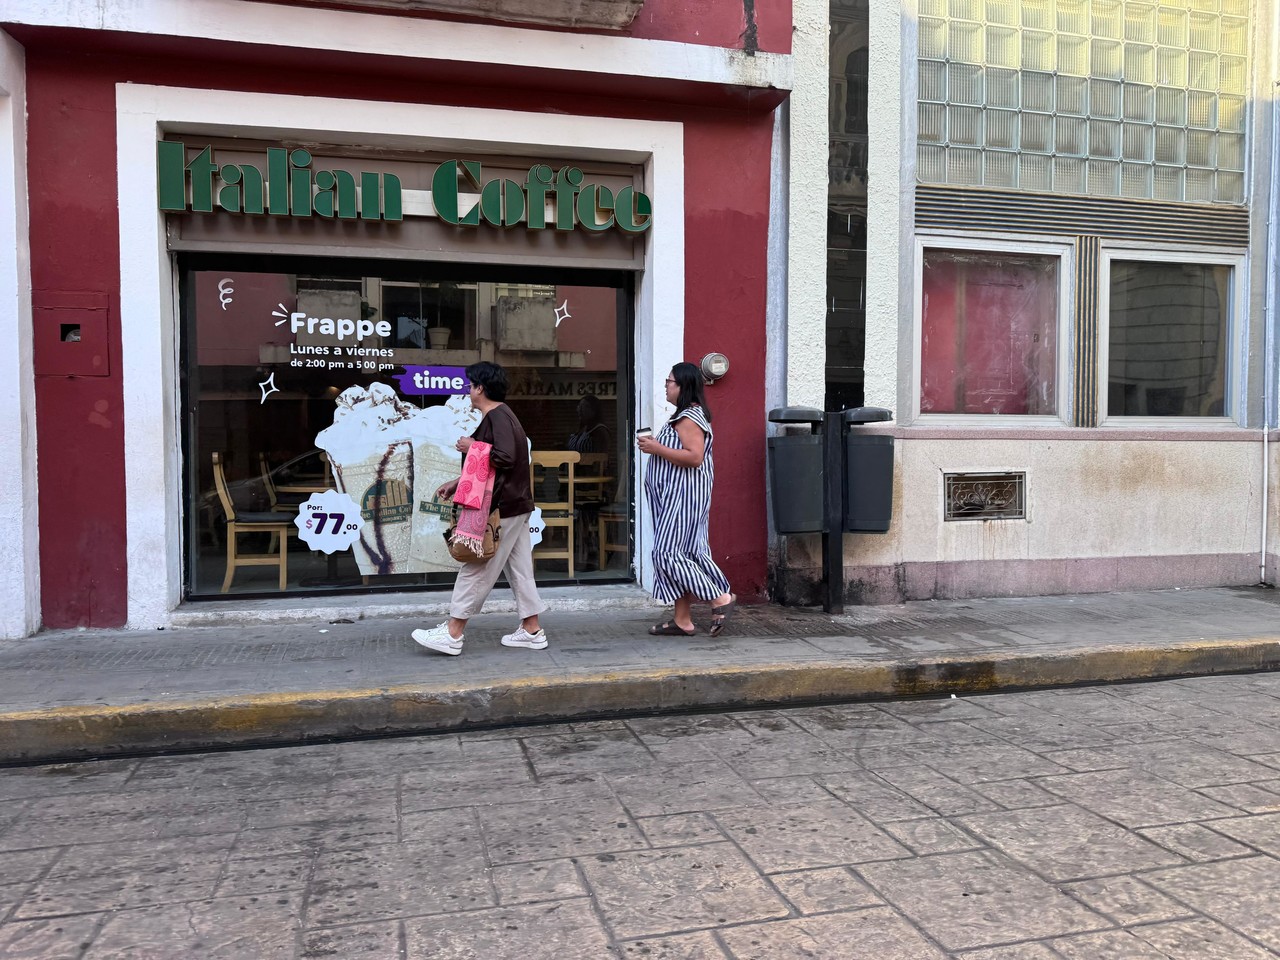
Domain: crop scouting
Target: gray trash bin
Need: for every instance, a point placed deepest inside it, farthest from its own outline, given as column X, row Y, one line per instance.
column 795, row 471
column 868, row 473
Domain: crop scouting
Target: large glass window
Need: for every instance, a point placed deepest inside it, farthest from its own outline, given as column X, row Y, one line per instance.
column 347, row 377
column 989, row 333
column 1167, row 338
column 1123, row 98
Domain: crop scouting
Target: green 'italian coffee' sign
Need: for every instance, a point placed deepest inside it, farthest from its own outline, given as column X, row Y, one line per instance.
column 288, row 187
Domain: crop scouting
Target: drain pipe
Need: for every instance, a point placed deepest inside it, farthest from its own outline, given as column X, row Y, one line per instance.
column 1272, row 262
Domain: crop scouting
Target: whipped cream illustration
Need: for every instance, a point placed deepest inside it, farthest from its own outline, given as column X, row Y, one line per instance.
column 388, row 454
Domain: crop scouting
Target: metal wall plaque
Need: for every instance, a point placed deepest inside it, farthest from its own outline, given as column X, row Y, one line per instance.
column 984, row 496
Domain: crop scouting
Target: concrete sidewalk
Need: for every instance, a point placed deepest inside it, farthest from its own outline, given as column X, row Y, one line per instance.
column 66, row 694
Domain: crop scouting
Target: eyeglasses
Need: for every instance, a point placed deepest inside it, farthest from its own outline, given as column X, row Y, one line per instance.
column 669, row 380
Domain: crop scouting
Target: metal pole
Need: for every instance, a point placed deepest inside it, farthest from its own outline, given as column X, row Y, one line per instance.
column 833, row 513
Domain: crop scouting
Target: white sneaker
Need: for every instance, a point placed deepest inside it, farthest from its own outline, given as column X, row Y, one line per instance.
column 438, row 639
column 523, row 638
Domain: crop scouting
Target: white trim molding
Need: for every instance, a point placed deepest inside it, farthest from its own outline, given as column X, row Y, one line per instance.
column 802, row 348
column 19, row 527
column 890, row 173
column 411, row 38
column 148, row 287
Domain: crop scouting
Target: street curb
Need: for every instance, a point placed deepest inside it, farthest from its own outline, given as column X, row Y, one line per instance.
column 80, row 732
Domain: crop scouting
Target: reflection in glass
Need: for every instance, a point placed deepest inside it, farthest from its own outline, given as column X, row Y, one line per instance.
column 1168, row 339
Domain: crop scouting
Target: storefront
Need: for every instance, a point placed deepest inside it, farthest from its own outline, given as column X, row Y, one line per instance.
column 306, row 374
column 276, row 295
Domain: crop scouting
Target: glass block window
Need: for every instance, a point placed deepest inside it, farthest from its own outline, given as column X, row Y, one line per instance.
column 1114, row 98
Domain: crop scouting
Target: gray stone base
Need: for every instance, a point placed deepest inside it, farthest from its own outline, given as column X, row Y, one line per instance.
column 958, row 580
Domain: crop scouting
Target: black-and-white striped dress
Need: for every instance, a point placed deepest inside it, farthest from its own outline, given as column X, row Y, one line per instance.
column 680, row 504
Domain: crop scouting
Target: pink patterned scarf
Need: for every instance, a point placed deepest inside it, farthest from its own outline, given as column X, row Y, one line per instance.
column 475, row 496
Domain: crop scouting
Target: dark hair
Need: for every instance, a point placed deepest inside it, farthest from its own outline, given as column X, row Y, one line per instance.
column 491, row 377
column 689, row 379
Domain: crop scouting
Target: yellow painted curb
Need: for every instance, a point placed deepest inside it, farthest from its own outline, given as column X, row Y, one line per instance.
column 67, row 732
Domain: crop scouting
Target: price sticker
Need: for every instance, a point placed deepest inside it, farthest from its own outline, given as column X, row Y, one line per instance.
column 329, row 521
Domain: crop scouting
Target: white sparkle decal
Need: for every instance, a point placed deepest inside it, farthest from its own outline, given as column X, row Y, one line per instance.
column 268, row 387
column 562, row 313
column 282, row 313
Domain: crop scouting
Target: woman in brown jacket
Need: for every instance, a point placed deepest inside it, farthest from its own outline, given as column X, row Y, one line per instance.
column 513, row 499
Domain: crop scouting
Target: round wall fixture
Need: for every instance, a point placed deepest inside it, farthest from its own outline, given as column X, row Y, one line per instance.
column 714, row 366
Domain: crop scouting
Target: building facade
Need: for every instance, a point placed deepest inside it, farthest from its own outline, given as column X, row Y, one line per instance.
column 1051, row 251
column 255, row 244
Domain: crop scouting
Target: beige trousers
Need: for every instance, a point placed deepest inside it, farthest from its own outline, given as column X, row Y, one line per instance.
column 476, row 580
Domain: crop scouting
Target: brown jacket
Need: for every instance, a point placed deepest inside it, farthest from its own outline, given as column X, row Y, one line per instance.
column 512, row 494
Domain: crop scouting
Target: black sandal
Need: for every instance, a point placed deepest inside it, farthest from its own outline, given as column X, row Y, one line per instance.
column 720, row 614
column 670, row 629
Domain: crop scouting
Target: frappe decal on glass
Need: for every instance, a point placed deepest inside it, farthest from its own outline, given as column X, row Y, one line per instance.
column 390, row 456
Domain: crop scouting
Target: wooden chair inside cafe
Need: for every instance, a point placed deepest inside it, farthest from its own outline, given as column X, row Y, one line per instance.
column 551, row 476
column 240, row 522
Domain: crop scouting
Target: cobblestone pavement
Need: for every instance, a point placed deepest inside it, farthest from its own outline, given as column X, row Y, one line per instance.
column 1134, row 822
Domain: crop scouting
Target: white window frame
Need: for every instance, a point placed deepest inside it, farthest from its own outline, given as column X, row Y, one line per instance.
column 1061, row 247
column 1236, row 330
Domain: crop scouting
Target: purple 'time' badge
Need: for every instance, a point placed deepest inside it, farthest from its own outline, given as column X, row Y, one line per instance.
column 435, row 381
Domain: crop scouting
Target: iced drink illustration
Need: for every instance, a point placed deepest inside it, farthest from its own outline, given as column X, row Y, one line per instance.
column 388, row 456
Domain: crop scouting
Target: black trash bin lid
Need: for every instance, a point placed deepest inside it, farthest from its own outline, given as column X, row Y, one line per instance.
column 795, row 415
column 867, row 415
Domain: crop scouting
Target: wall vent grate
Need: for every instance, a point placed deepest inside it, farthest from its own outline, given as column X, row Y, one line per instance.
column 985, row 496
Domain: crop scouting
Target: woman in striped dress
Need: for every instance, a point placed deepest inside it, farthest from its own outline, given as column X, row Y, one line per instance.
column 677, row 483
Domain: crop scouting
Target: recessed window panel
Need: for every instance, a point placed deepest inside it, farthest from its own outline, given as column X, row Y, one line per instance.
column 989, row 333
column 1167, row 339
column 1037, row 133
column 1038, row 14
column 1139, row 141
column 1140, row 22
column 1139, row 103
column 1200, row 185
column 1073, row 16
column 1230, row 151
column 999, row 169
column 1108, row 19
column 1002, row 89
column 1202, row 148
column 1230, row 187
column 1073, row 96
column 1104, row 178
column 1035, row 172
column 1002, row 129
column 1135, row 179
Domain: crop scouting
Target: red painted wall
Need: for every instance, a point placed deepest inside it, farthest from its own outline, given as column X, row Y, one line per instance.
column 720, row 23
column 71, row 163
column 726, row 270
column 717, row 23
column 79, row 420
